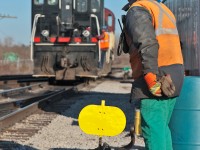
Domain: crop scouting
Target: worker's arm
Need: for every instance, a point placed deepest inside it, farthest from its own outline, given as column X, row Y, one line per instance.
column 100, row 37
column 140, row 29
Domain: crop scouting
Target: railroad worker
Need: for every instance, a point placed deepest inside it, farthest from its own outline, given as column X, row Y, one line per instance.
column 104, row 45
column 157, row 66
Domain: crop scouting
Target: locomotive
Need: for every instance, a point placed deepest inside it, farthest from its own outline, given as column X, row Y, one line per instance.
column 64, row 42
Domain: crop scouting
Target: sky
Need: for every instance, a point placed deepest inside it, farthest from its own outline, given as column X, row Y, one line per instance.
column 19, row 29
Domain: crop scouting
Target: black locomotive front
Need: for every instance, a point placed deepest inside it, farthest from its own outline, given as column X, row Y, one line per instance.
column 64, row 43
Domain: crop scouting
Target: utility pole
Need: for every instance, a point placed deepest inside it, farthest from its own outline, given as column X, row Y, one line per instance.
column 7, row 16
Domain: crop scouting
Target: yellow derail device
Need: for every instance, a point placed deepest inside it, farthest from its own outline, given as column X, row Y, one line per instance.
column 102, row 120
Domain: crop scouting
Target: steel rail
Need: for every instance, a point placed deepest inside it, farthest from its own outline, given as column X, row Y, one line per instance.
column 3, row 93
column 21, row 113
column 28, row 109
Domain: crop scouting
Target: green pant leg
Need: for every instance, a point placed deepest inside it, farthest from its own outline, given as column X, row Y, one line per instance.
column 171, row 104
column 155, row 115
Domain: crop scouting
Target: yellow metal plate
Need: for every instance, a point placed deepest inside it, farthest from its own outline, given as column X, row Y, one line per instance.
column 102, row 120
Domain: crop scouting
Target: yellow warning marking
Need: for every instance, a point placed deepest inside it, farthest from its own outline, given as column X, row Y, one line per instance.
column 102, row 120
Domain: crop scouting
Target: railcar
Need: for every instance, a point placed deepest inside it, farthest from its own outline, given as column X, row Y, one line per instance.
column 188, row 23
column 63, row 40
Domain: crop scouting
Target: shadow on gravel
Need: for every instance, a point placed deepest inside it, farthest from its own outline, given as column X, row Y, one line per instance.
column 10, row 145
column 103, row 148
column 64, row 149
column 71, row 106
column 79, row 100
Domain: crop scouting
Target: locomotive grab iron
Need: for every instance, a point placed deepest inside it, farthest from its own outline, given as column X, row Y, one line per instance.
column 64, row 44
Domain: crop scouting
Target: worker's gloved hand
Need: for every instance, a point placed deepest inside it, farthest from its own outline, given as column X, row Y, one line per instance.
column 167, row 85
column 153, row 85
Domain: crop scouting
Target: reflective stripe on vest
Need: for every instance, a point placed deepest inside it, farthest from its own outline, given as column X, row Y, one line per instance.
column 166, row 32
column 161, row 30
column 104, row 43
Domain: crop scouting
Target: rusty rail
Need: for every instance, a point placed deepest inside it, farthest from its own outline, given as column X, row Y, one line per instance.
column 21, row 113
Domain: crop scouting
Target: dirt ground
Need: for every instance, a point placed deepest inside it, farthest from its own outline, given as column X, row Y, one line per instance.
column 121, row 61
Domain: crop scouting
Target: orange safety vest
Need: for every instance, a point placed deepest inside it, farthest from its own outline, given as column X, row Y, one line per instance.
column 166, row 32
column 104, row 43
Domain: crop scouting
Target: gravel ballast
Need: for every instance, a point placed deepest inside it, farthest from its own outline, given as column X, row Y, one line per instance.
column 64, row 133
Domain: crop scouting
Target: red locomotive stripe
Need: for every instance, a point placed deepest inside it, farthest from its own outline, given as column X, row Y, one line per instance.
column 63, row 39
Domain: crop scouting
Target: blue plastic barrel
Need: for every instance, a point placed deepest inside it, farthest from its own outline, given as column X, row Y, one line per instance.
column 185, row 121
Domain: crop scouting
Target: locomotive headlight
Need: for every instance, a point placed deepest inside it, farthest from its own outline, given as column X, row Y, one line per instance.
column 45, row 33
column 86, row 33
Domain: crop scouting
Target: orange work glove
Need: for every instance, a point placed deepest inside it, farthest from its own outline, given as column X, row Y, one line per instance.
column 153, row 85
